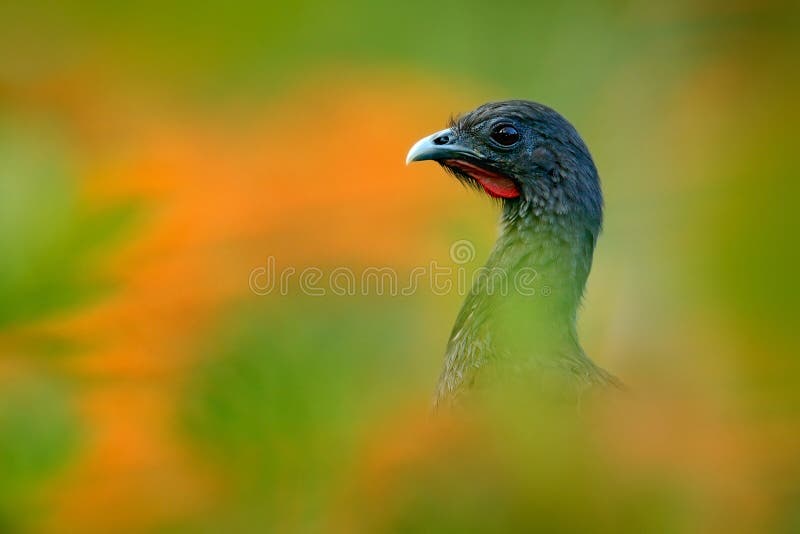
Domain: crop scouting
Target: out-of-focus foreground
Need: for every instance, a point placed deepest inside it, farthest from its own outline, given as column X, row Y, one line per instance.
column 153, row 158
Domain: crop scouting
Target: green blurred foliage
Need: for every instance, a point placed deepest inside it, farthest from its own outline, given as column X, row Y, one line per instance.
column 48, row 240
column 559, row 52
column 50, row 247
column 38, row 435
column 287, row 389
column 256, row 44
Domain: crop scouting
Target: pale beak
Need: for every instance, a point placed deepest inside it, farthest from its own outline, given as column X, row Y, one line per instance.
column 439, row 146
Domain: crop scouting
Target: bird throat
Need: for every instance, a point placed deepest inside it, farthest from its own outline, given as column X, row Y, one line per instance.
column 496, row 185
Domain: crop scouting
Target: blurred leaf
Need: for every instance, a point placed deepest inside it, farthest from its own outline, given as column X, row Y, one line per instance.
column 284, row 392
column 38, row 434
column 48, row 240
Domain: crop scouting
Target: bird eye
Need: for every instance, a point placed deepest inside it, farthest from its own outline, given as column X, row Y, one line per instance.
column 504, row 134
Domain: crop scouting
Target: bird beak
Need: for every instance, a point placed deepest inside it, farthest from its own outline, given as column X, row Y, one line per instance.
column 439, row 146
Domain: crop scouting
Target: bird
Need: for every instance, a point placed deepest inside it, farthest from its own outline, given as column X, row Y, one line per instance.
column 534, row 163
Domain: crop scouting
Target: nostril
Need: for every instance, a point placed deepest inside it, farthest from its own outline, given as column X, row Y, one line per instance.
column 441, row 140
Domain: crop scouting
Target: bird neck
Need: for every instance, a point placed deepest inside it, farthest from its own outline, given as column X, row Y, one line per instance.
column 546, row 261
column 558, row 248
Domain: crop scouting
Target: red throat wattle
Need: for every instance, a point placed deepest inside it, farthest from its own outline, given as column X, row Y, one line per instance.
column 495, row 185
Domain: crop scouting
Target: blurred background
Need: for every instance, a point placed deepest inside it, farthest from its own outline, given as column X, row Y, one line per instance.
column 152, row 155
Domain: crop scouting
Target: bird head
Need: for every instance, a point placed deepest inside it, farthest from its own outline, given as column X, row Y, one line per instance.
column 524, row 154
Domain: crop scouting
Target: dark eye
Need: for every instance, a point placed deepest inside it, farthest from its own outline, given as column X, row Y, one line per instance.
column 505, row 134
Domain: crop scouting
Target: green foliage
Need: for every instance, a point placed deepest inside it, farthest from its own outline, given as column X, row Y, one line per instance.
column 48, row 239
column 285, row 390
column 38, row 434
